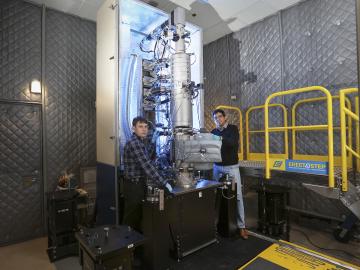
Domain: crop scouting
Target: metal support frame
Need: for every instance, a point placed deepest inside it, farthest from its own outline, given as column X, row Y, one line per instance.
column 357, row 130
column 337, row 159
column 345, row 148
column 261, row 156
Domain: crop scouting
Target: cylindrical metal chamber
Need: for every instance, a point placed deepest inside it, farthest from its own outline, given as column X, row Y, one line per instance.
column 181, row 106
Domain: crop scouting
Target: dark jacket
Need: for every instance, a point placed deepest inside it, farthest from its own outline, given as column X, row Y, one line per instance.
column 230, row 145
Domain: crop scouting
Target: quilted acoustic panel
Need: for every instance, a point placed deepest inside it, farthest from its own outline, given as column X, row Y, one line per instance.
column 235, row 70
column 216, row 81
column 221, row 69
column 299, row 48
column 70, row 101
column 20, row 49
column 20, row 172
column 20, row 129
column 260, row 53
column 335, row 39
column 319, row 50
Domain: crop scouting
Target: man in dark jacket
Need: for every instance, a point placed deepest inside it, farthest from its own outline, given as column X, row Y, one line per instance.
column 230, row 161
column 140, row 172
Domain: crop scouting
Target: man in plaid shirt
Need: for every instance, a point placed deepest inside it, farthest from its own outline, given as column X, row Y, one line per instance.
column 140, row 172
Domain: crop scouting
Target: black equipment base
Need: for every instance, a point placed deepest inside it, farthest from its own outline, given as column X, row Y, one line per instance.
column 226, row 198
column 115, row 251
column 272, row 210
column 65, row 209
column 185, row 224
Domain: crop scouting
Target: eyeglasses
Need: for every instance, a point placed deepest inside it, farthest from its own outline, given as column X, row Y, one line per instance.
column 218, row 117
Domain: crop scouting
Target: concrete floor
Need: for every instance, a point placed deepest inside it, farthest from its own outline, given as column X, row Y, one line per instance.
column 31, row 255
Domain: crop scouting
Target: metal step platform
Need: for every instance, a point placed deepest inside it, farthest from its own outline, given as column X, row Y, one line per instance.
column 350, row 199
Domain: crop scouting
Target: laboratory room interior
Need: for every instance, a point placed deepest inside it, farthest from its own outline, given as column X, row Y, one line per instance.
column 179, row 134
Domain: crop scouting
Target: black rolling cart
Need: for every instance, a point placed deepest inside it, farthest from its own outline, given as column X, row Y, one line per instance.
column 108, row 247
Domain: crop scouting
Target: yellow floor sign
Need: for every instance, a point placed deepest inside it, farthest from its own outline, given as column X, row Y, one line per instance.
column 284, row 255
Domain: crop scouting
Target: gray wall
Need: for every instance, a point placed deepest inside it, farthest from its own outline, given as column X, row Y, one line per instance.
column 20, row 46
column 71, row 94
column 312, row 43
column 69, row 119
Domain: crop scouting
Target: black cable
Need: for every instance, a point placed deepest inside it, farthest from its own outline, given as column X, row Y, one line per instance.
column 156, row 42
column 142, row 49
column 164, row 44
column 323, row 248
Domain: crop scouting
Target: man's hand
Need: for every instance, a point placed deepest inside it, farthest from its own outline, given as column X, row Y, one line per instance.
column 217, row 138
column 168, row 189
column 171, row 183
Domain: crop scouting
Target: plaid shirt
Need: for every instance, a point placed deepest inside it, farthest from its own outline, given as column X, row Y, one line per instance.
column 138, row 161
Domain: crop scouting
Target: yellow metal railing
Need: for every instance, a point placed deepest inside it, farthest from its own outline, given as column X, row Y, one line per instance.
column 344, row 146
column 337, row 159
column 357, row 132
column 261, row 156
column 241, row 148
column 329, row 128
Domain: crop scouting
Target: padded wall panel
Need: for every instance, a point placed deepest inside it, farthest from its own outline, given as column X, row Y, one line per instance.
column 335, row 39
column 20, row 172
column 20, row 124
column 20, row 49
column 260, row 54
column 319, row 50
column 70, row 110
column 216, row 78
column 299, row 49
column 259, row 46
column 70, row 102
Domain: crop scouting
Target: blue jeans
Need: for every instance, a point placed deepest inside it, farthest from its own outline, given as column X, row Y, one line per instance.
column 234, row 171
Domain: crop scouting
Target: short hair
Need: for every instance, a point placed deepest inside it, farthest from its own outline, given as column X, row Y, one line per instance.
column 219, row 111
column 139, row 119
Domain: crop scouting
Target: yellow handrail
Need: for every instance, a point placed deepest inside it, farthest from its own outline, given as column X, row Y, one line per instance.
column 260, row 156
column 241, row 153
column 357, row 132
column 295, row 155
column 344, row 147
column 329, row 127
